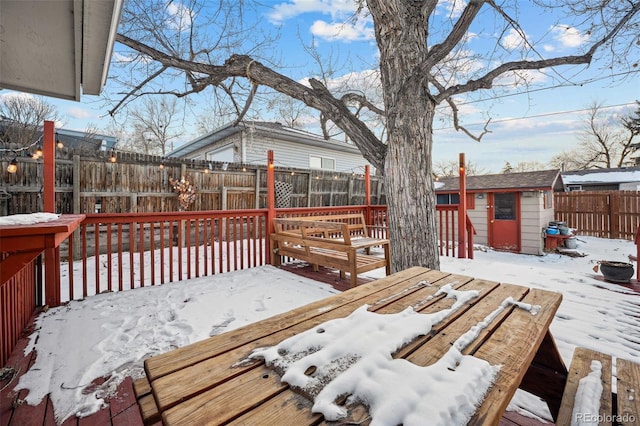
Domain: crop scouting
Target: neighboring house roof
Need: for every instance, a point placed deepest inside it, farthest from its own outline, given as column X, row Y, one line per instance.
column 57, row 48
column 546, row 179
column 601, row 176
column 274, row 130
column 83, row 140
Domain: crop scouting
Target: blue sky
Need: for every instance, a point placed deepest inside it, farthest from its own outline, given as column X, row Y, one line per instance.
column 531, row 126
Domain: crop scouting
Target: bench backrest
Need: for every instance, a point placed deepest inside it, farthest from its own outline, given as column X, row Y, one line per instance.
column 345, row 226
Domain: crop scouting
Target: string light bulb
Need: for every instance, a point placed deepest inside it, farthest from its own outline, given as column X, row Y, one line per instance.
column 59, row 144
column 113, row 158
column 13, row 166
column 38, row 153
column 161, row 166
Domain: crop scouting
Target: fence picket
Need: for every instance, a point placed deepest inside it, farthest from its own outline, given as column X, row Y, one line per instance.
column 604, row 214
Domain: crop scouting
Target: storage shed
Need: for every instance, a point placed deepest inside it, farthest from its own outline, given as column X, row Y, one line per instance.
column 509, row 211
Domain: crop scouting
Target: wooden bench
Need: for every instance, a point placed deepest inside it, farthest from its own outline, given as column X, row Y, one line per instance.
column 331, row 241
column 624, row 409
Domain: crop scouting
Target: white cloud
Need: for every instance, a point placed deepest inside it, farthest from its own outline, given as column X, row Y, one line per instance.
column 345, row 31
column 76, row 112
column 9, row 95
column 569, row 36
column 513, row 40
column 335, row 8
column 179, row 16
column 454, row 7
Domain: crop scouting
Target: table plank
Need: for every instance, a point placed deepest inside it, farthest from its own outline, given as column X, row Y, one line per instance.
column 506, row 347
column 628, row 395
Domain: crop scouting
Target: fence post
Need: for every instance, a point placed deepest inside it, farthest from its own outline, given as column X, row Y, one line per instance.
column 271, row 203
column 462, row 211
column 367, row 195
column 614, row 215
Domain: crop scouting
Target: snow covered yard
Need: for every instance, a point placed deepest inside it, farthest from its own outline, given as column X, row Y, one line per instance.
column 111, row 334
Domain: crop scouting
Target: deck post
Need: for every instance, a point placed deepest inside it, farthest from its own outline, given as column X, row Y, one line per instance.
column 49, row 174
column 271, row 203
column 367, row 196
column 462, row 210
column 51, row 255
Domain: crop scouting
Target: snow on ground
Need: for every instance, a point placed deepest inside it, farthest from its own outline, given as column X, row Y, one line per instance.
column 111, row 334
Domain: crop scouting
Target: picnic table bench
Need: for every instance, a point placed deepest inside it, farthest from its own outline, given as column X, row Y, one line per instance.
column 624, row 410
column 211, row 382
column 332, row 241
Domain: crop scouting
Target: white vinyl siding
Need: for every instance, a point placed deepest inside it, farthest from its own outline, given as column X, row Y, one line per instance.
column 292, row 154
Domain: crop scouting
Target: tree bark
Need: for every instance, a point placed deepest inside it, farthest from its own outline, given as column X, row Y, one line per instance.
column 410, row 111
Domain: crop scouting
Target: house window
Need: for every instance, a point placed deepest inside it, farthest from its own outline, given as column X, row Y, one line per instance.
column 323, row 163
column 455, row 199
column 574, row 188
column 448, row 198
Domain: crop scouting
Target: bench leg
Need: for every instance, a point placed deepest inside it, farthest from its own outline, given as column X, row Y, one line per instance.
column 343, row 275
column 387, row 257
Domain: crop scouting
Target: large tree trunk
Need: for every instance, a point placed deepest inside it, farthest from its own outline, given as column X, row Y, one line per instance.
column 410, row 111
column 410, row 193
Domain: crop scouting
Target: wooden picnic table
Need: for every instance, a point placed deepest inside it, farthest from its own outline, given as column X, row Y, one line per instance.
column 206, row 382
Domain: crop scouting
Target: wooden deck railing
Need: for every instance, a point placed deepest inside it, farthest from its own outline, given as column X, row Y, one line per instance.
column 116, row 252
column 17, row 304
column 124, row 251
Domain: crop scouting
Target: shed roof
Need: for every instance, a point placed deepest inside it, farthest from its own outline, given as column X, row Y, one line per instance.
column 602, row 176
column 271, row 129
column 545, row 180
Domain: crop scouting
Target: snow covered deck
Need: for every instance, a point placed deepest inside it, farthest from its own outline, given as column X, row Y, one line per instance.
column 444, row 329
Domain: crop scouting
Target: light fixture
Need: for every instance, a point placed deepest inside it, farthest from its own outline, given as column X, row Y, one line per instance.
column 59, row 144
column 161, row 166
column 113, row 158
column 13, row 166
column 38, row 153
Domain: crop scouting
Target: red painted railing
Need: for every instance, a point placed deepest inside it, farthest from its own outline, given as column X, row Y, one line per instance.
column 116, row 252
column 17, row 304
column 124, row 251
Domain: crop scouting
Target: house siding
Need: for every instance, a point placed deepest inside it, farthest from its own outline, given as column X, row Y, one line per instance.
column 534, row 219
column 478, row 217
column 291, row 154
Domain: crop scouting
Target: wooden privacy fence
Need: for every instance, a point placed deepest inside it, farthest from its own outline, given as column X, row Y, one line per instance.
column 137, row 183
column 604, row 214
